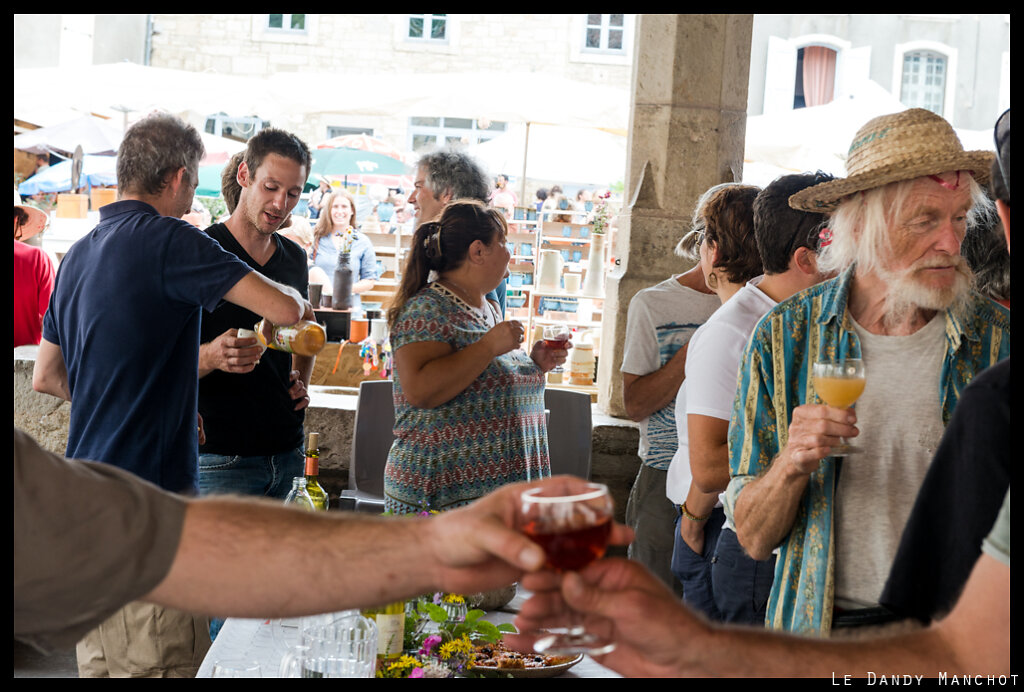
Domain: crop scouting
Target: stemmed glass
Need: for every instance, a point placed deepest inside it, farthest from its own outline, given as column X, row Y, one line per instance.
column 839, row 384
column 572, row 523
column 556, row 336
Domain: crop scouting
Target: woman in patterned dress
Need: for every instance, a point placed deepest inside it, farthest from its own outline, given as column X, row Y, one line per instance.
column 469, row 402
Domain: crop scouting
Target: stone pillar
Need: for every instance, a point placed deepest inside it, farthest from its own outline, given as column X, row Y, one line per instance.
column 687, row 128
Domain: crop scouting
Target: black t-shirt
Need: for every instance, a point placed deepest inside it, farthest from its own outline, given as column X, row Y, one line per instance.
column 958, row 502
column 251, row 414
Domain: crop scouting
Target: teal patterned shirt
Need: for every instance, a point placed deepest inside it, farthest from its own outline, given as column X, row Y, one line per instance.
column 775, row 378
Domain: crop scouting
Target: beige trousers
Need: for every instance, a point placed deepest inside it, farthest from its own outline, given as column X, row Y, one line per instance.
column 144, row 641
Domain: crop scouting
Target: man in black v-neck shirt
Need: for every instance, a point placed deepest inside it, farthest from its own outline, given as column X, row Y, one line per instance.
column 253, row 402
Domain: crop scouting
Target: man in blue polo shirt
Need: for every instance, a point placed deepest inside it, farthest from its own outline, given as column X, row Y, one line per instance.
column 121, row 342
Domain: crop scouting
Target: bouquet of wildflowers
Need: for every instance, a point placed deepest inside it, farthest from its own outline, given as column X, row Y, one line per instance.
column 345, row 239
column 450, row 650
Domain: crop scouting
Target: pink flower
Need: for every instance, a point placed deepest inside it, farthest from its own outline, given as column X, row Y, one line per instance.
column 429, row 643
column 416, row 673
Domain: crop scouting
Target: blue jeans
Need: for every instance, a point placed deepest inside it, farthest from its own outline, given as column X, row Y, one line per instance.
column 270, row 476
column 741, row 584
column 693, row 570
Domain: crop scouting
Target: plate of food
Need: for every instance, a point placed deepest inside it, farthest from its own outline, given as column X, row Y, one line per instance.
column 495, row 660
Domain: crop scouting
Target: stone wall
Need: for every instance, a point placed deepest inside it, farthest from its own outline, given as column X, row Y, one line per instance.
column 358, row 43
column 614, row 459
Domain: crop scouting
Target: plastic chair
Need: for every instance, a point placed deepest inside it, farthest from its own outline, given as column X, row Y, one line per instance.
column 569, row 431
column 371, row 442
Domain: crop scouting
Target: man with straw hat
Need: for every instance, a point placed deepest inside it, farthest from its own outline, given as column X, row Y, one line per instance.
column 903, row 304
column 970, row 645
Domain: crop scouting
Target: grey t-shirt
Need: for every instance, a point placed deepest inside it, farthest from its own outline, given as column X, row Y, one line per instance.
column 88, row 538
column 899, row 416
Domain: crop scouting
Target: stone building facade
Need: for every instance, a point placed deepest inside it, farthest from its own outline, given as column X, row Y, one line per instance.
column 340, row 45
column 957, row 65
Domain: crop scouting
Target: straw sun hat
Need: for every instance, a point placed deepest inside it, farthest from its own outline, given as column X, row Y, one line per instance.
column 891, row 148
column 35, row 224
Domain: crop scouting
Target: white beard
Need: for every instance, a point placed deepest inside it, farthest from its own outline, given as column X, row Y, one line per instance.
column 906, row 295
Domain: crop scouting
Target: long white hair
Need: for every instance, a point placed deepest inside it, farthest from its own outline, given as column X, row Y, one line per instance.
column 872, row 213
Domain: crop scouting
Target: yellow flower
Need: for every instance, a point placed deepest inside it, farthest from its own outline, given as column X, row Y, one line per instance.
column 404, row 662
column 452, row 598
column 463, row 646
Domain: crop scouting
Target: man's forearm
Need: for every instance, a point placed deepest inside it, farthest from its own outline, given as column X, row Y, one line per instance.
column 654, row 391
column 205, row 364
column 50, row 375
column 766, row 508
column 774, row 654
column 278, row 303
column 363, row 285
column 235, row 555
column 304, row 364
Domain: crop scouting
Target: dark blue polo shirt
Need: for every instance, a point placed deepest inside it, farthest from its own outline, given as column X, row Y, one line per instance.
column 125, row 311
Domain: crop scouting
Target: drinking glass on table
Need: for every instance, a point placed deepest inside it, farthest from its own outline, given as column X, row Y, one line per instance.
column 236, row 668
column 572, row 523
column 839, row 384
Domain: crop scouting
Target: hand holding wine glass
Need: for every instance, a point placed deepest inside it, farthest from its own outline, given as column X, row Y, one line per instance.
column 839, row 384
column 572, row 522
column 556, row 335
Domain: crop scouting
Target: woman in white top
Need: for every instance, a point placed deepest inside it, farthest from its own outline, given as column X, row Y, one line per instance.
column 723, row 224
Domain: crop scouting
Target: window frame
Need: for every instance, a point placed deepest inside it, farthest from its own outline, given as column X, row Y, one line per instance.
column 286, row 19
column 899, row 54
column 442, row 133
column 605, row 29
column 428, row 40
column 578, row 36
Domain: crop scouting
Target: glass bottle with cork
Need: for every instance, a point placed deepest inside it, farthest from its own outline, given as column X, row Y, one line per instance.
column 316, row 492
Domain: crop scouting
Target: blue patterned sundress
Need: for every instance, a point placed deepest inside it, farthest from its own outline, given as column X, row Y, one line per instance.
column 491, row 434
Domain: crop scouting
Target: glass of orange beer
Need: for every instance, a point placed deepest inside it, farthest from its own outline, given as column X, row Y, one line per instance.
column 839, row 384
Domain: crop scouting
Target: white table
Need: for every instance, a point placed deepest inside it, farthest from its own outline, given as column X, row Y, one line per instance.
column 254, row 639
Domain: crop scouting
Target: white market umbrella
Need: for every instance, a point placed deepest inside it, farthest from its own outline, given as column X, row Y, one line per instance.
column 816, row 138
column 94, row 135
column 565, row 154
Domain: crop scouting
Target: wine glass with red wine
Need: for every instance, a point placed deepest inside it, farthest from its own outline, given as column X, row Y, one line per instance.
column 572, row 523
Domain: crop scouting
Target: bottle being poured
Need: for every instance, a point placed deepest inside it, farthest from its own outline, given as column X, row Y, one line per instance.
column 304, row 338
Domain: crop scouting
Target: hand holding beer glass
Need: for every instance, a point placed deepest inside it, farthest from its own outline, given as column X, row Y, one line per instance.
column 839, row 384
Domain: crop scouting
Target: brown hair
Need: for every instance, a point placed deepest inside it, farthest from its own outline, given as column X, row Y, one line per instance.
column 230, row 190
column 728, row 217
column 442, row 246
column 153, row 150
column 324, row 223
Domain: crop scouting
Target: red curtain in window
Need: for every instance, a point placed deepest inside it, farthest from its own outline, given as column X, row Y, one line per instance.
column 819, row 75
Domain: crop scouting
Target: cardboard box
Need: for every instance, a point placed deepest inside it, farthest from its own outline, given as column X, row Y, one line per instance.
column 344, row 371
column 72, row 206
column 102, row 196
